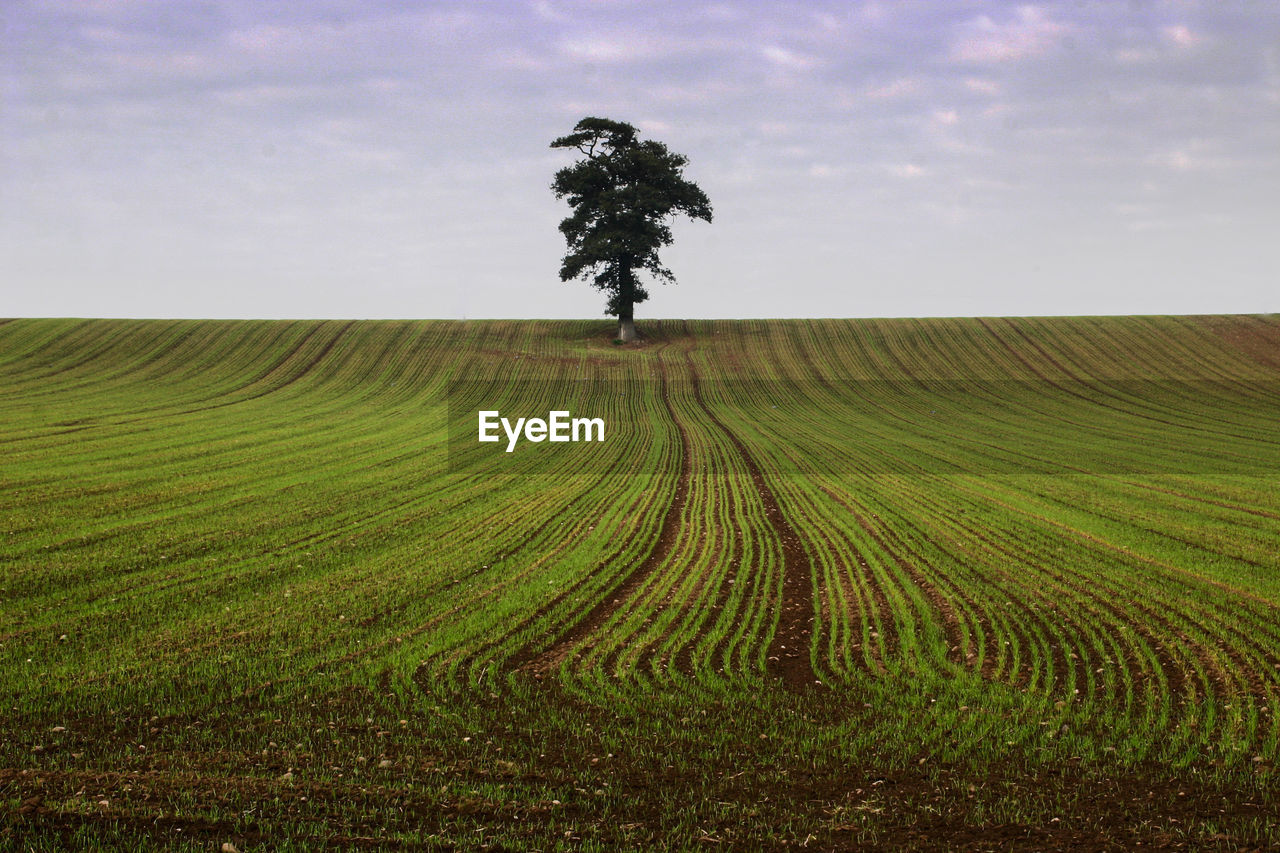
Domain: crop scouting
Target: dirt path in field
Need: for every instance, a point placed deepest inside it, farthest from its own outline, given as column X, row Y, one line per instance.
column 543, row 662
column 788, row 655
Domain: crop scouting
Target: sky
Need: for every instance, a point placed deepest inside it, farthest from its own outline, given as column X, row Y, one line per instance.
column 370, row 158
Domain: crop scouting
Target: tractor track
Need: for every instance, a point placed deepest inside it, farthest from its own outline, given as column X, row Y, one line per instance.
column 539, row 663
column 788, row 655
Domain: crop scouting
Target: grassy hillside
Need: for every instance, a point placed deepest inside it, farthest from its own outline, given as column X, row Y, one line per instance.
column 889, row 582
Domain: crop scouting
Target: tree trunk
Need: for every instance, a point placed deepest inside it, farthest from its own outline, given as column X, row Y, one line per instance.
column 626, row 305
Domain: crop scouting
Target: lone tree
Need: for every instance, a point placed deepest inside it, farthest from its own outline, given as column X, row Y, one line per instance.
column 623, row 194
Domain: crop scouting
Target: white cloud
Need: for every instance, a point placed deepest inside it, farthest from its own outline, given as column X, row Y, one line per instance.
column 654, row 126
column 1175, row 38
column 827, row 23
column 1136, row 55
column 624, row 47
column 722, row 12
column 384, row 85
column 907, row 170
column 1129, row 208
column 1030, row 33
column 603, row 49
column 281, row 43
column 103, row 35
column 518, row 59
column 697, row 93
column 874, row 12
column 780, row 108
column 106, row 7
column 899, row 88
column 578, row 107
column 982, row 86
column 1150, row 224
column 789, row 59
column 547, row 11
column 165, row 64
column 1190, row 158
column 775, row 128
column 266, row 94
column 1180, row 36
column 826, row 170
column 1179, row 161
column 272, row 38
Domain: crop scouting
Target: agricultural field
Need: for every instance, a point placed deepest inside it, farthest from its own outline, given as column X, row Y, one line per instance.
column 833, row 584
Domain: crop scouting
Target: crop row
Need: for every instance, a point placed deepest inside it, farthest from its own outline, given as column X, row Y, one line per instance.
column 1067, row 522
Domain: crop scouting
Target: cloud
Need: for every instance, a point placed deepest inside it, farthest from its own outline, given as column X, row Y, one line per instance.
column 265, row 94
column 518, row 59
column 722, row 12
column 1189, row 159
column 826, row 170
column 775, row 128
column 164, row 64
column 827, row 24
column 874, row 12
column 907, row 170
column 104, row 35
column 654, row 126
column 781, row 108
column 701, row 92
column 625, row 47
column 1173, row 39
column 1029, row 34
column 981, row 86
column 268, row 38
column 368, row 37
column 604, row 49
column 788, row 59
column 547, row 11
column 1136, row 55
column 899, row 88
column 1181, row 36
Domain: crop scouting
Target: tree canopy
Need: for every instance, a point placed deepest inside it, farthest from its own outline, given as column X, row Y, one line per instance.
column 624, row 193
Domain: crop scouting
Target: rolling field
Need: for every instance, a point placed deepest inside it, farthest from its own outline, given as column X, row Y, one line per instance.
column 963, row 583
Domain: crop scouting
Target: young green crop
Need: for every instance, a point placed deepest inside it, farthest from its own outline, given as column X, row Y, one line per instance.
column 1032, row 566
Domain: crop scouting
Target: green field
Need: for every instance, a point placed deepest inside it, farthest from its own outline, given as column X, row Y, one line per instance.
column 959, row 583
